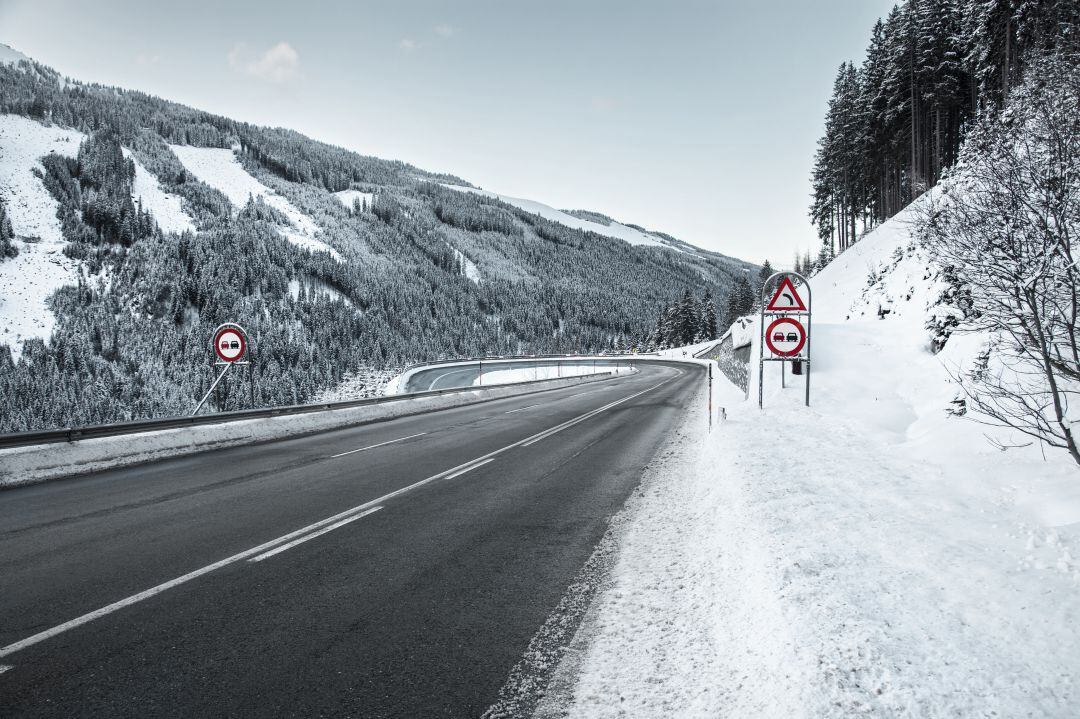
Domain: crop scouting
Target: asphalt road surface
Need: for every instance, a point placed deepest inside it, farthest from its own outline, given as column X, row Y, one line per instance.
column 396, row 569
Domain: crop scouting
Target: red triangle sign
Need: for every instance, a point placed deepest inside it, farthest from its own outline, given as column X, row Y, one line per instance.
column 786, row 299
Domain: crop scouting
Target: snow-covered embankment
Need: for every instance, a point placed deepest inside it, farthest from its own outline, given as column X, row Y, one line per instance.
column 869, row 555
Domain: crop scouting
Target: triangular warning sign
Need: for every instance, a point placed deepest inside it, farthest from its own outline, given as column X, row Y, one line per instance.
column 786, row 299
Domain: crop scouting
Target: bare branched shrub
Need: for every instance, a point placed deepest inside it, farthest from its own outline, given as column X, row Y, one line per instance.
column 1007, row 222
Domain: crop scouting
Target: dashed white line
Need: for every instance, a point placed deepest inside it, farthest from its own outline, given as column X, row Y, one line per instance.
column 5, row 667
column 324, row 530
column 470, row 468
column 522, row 409
column 380, row 444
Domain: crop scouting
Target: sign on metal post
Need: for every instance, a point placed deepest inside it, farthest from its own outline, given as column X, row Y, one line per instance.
column 230, row 347
column 785, row 327
column 230, row 343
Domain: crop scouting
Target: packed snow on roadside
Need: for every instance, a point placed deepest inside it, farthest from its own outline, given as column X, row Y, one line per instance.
column 219, row 168
column 41, row 267
column 870, row 555
column 686, row 352
column 165, row 207
column 615, row 229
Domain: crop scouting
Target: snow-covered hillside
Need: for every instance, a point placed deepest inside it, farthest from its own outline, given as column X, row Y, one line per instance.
column 41, row 266
column 618, row 231
column 219, row 168
column 349, row 198
column 870, row 555
column 165, row 207
column 10, row 56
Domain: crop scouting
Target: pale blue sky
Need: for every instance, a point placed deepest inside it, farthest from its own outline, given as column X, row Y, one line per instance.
column 695, row 118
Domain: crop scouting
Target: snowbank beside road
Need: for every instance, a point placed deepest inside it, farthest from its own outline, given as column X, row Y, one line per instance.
column 870, row 555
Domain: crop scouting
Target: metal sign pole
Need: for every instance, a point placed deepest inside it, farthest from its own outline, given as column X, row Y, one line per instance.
column 207, row 395
column 710, row 396
column 809, row 314
column 761, row 352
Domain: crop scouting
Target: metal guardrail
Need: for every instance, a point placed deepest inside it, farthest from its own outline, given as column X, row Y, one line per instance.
column 70, row 434
column 496, row 358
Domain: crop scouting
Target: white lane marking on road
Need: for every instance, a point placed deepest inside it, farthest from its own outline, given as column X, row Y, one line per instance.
column 5, row 667
column 380, row 444
column 153, row 591
column 469, row 468
column 522, row 409
column 566, row 425
column 306, row 537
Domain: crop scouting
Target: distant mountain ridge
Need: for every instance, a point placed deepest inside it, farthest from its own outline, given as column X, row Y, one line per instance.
column 156, row 221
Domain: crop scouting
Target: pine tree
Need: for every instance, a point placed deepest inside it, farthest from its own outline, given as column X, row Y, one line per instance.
column 708, row 317
column 7, row 235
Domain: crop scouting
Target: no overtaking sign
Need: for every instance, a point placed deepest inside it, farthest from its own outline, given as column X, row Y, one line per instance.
column 785, row 327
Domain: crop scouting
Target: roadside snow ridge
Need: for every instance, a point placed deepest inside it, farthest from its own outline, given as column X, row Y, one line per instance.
column 220, row 168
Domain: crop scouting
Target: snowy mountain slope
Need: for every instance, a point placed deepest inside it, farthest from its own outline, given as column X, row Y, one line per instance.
column 165, row 207
column 615, row 229
column 468, row 267
column 10, row 56
column 870, row 555
column 219, row 168
column 41, row 266
column 424, row 273
column 349, row 198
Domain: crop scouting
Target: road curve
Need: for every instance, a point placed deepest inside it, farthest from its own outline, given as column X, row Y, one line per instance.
column 397, row 569
column 451, row 375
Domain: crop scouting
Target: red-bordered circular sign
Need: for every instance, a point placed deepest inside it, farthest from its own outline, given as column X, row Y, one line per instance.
column 785, row 341
column 230, row 343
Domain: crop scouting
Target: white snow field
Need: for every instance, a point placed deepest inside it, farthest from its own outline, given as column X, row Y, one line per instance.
column 615, row 229
column 219, row 168
column 349, row 198
column 10, row 56
column 166, row 207
column 468, row 267
column 867, row 556
column 26, row 281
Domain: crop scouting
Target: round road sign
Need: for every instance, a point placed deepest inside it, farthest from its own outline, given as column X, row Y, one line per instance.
column 230, row 343
column 785, row 337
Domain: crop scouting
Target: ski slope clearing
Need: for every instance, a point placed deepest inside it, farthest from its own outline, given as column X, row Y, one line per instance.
column 166, row 207
column 350, row 197
column 468, row 268
column 615, row 229
column 871, row 555
column 219, row 168
column 27, row 281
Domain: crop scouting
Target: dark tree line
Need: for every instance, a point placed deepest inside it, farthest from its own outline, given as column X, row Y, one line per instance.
column 685, row 322
column 896, row 121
